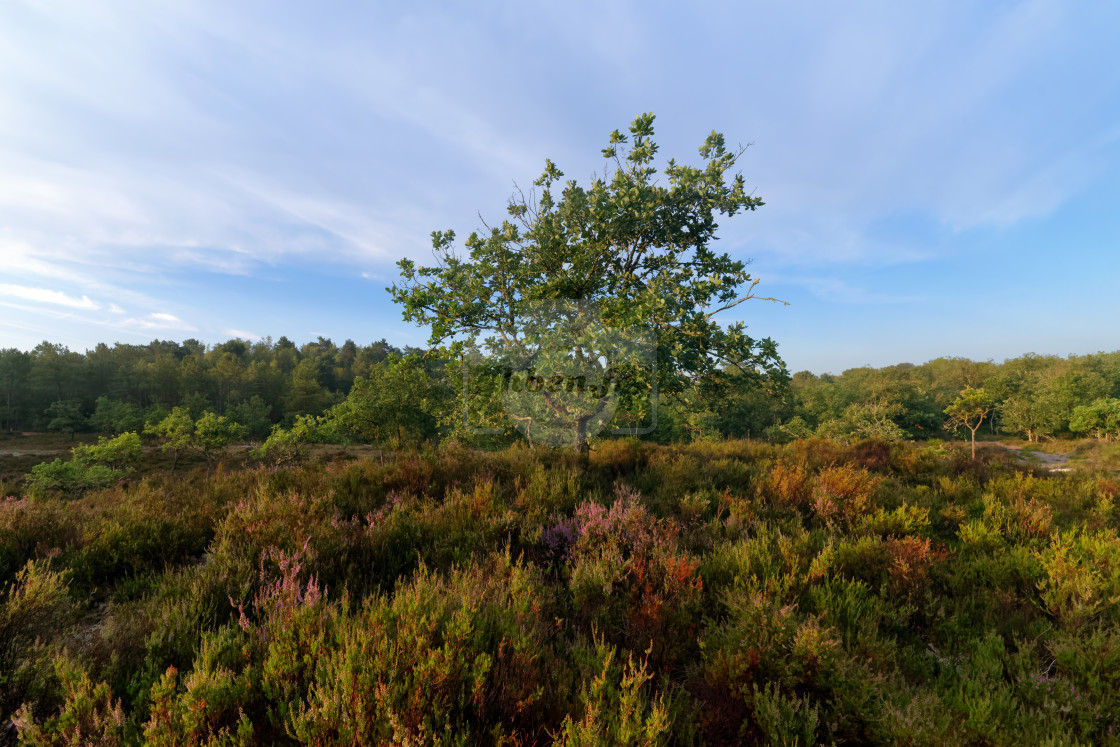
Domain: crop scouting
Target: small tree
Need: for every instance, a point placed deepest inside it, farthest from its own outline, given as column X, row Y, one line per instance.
column 120, row 453
column 791, row 430
column 969, row 411
column 65, row 417
column 177, row 431
column 861, row 420
column 1034, row 414
column 212, row 433
column 394, row 404
column 291, row 444
column 208, row 435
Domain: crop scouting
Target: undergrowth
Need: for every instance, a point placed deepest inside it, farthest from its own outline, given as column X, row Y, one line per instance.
column 715, row 593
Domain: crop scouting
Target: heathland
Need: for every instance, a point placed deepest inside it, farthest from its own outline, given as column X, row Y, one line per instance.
column 820, row 590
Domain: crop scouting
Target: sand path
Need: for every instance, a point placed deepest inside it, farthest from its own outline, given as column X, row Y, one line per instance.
column 1053, row 460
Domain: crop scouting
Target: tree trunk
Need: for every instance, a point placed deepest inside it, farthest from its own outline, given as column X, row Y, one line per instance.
column 582, row 445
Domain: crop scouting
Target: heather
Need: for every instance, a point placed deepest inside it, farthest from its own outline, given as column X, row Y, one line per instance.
column 711, row 593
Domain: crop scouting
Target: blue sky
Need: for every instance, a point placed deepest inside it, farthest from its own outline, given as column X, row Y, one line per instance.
column 940, row 178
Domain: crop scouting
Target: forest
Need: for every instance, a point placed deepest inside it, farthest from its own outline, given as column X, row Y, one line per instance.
column 264, row 384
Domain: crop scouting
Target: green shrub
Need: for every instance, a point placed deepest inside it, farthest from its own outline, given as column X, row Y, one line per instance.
column 843, row 494
column 444, row 660
column 1081, row 584
column 288, row 445
column 88, row 714
column 120, row 453
column 785, row 720
column 36, row 612
column 71, row 477
column 34, row 529
column 617, row 709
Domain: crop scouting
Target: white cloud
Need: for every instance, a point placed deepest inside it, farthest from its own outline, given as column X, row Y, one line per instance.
column 242, row 334
column 42, row 295
column 158, row 320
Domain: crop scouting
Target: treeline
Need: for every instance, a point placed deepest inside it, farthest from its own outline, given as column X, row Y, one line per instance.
column 379, row 393
column 122, row 387
column 1032, row 396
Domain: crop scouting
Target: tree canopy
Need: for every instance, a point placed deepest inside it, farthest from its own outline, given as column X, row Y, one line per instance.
column 969, row 410
column 627, row 255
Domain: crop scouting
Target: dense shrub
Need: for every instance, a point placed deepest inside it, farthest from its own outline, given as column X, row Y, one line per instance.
column 91, row 466
column 716, row 593
column 72, row 477
column 36, row 612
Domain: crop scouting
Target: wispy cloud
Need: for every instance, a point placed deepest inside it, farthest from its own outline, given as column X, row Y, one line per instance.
column 354, row 150
column 43, row 295
column 158, row 321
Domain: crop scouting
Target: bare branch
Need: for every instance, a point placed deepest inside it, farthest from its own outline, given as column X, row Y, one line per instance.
column 748, row 297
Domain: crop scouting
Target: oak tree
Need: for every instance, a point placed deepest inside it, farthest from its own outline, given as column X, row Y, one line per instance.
column 576, row 271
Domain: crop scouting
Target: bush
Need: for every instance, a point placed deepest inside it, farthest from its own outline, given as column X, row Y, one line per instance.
column 36, row 612
column 617, row 708
column 33, row 529
column 287, row 445
column 73, row 477
column 462, row 658
column 88, row 714
column 843, row 495
column 121, row 453
column 90, row 466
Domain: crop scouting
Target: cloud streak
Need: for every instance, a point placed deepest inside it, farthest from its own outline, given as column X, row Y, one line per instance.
column 43, row 295
column 157, row 321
